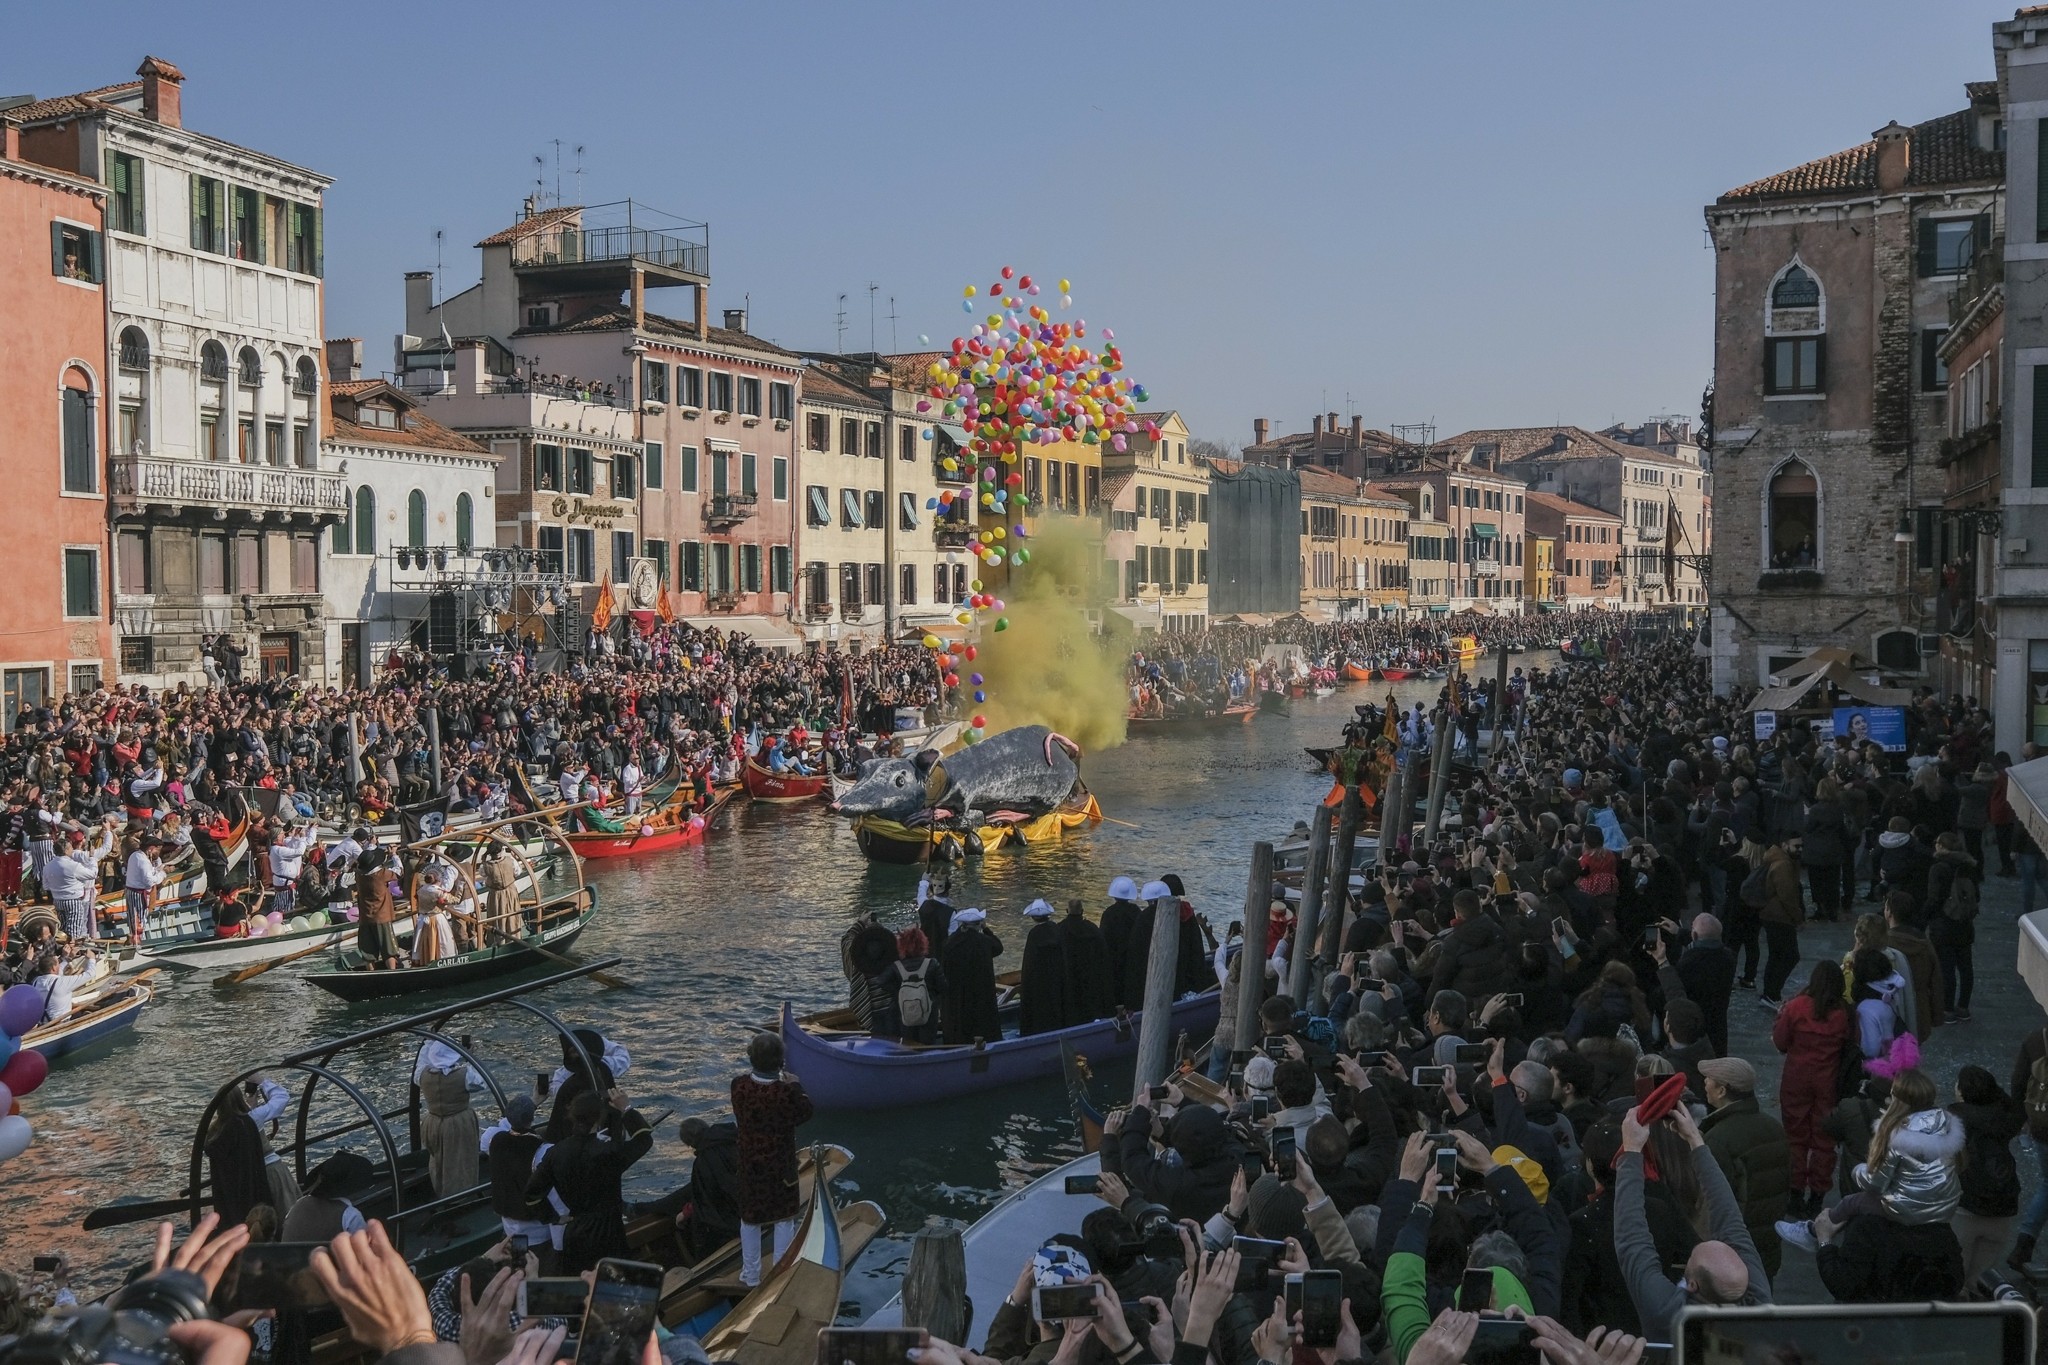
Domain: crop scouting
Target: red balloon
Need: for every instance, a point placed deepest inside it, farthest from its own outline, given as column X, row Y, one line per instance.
column 24, row 1072
column 971, row 652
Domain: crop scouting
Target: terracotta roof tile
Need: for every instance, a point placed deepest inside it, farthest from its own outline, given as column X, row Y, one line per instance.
column 349, row 388
column 1942, row 154
column 1570, row 508
column 1526, row 443
column 1325, row 483
column 619, row 320
column 1113, row 484
column 526, row 227
column 1980, row 92
column 62, row 106
column 821, row 385
column 416, row 429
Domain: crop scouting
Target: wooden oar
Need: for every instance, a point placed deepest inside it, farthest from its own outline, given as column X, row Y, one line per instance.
column 149, row 1210
column 566, row 959
column 236, row 978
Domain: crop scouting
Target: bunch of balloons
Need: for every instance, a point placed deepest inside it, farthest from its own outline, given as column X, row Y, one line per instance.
column 1017, row 380
column 21, row 1070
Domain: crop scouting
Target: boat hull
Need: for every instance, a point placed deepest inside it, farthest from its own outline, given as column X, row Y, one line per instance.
column 112, row 1014
column 1237, row 714
column 764, row 785
column 874, row 1073
column 350, row 982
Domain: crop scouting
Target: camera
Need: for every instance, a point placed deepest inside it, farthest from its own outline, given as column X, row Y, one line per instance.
column 1157, row 1237
column 128, row 1329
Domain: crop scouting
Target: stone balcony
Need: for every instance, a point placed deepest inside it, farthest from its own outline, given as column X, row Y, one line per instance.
column 146, row 485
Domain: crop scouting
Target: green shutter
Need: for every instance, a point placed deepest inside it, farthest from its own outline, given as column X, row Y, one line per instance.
column 198, row 239
column 2041, row 179
column 1926, row 263
column 319, row 242
column 57, row 249
column 263, row 243
column 138, row 196
column 99, row 263
column 2040, row 442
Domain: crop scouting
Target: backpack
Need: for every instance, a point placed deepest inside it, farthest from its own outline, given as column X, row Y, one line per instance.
column 1961, row 904
column 2037, row 1088
column 914, row 997
column 1756, row 888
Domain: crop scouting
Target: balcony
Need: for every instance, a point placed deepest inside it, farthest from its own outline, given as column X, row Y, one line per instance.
column 1650, row 580
column 722, row 599
column 1650, row 535
column 949, row 536
column 854, row 612
column 817, row 611
column 729, row 509
column 1485, row 568
column 141, row 484
column 607, row 244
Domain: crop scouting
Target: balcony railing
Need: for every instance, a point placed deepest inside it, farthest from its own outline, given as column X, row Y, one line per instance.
column 723, row 599
column 578, row 390
column 222, row 487
column 853, row 611
column 1486, row 568
column 306, row 385
column 953, row 536
column 134, row 356
column 729, row 509
column 817, row 611
column 1986, row 269
column 1650, row 580
column 579, row 246
column 214, row 367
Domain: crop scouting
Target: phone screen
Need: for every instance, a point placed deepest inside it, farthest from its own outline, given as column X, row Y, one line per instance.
column 1054, row 1303
column 1274, row 1045
column 1503, row 1341
column 1429, row 1075
column 277, row 1275
column 557, row 1297
column 1652, row 936
column 1284, row 1164
column 868, row 1345
column 1083, row 1184
column 1475, row 1291
column 1322, row 1307
column 1258, row 1248
column 1446, row 1164
column 1261, row 1107
column 516, row 1243
column 1157, row 1092
column 1472, row 1054
column 1851, row 1334
column 48, row 1265
column 540, row 1083
column 620, row 1314
column 1371, row 983
column 1512, row 1000
column 1560, row 928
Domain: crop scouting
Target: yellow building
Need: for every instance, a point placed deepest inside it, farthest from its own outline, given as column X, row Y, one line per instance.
column 1381, row 563
column 1540, row 583
column 1155, row 514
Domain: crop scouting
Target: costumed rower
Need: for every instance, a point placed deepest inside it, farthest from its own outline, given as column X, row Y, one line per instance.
column 970, row 963
column 1042, row 985
column 1091, row 990
column 1118, row 920
column 448, row 1123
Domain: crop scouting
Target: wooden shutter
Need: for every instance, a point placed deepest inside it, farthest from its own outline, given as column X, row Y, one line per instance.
column 2040, row 441
column 57, row 249
column 199, row 239
column 1926, row 263
column 2041, row 180
column 319, row 242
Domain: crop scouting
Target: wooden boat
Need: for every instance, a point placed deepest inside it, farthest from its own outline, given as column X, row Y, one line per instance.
column 694, row 1288
column 651, row 831
column 1395, row 674
column 915, row 841
column 94, row 1020
column 1357, row 672
column 1274, row 703
column 1236, row 713
column 863, row 1072
column 765, row 785
column 561, row 919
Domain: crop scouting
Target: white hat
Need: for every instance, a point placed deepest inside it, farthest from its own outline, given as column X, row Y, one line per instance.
column 1156, row 891
column 1039, row 909
column 1123, row 889
column 971, row 915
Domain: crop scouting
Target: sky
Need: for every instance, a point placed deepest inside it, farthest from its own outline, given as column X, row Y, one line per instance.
column 1464, row 215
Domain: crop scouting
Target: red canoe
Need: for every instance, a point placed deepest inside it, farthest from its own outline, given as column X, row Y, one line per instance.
column 1397, row 674
column 764, row 785
column 651, row 831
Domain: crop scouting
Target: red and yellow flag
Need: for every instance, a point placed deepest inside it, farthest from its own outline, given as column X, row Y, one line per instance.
column 663, row 608
column 601, row 614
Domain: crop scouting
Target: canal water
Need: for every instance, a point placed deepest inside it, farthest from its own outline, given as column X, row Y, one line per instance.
column 715, row 938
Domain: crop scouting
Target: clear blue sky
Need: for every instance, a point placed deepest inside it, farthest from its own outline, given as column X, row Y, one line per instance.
column 1480, row 215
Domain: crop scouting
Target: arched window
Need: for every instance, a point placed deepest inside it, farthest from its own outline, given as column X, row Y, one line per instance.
column 1792, row 512
column 134, row 349
column 416, row 519
column 306, row 382
column 1795, row 333
column 79, row 401
column 251, row 366
column 1795, row 289
column 213, row 362
column 465, row 514
column 1900, row 650
column 366, row 521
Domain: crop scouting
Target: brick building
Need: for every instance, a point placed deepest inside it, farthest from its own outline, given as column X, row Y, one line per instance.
column 53, row 385
column 1585, row 555
column 1482, row 511
column 1832, row 288
column 1354, row 451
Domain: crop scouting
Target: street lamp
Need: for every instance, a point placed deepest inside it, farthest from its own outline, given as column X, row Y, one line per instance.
column 1904, row 535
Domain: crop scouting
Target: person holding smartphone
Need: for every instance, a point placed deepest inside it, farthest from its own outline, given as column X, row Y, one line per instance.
column 768, row 1106
column 587, row 1171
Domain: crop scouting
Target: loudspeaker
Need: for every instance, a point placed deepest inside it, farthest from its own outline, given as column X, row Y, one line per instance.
column 444, row 624
column 571, row 626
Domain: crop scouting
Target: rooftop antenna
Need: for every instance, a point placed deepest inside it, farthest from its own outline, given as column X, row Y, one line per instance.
column 579, row 173
column 872, row 286
column 892, row 324
column 840, row 325
column 437, row 267
column 540, row 183
column 558, row 170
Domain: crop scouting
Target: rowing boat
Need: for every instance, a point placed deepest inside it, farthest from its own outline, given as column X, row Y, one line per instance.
column 1357, row 672
column 1236, row 713
column 858, row 1071
column 562, row 919
column 649, row 831
column 93, row 1021
column 764, row 784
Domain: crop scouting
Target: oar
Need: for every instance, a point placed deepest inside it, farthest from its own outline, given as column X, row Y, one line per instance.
column 236, row 978
column 566, row 959
column 148, row 1210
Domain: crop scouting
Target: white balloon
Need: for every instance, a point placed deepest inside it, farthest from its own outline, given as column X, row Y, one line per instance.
column 15, row 1135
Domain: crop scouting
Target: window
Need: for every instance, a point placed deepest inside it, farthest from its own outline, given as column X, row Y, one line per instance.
column 465, row 522
column 582, row 471
column 2039, row 452
column 1795, row 289
column 1794, row 364
column 582, row 565
column 1793, row 509
column 849, row 509
column 780, row 480
column 721, row 473
column 249, row 565
column 906, row 585
column 749, row 484
column 365, row 519
column 81, row 582
column 1130, row 578
column 779, row 568
column 817, row 505
column 720, row 567
column 906, row 443
column 246, row 225
column 721, row 392
column 625, row 476
column 303, row 249
column 874, row 440
column 817, row 432
column 416, row 519
column 76, row 254
column 654, row 381
column 657, row 550
column 552, row 554
column 849, row 436
column 817, row 587
column 81, row 451
column 750, row 396
column 622, row 556
column 343, row 532
column 849, row 587
column 138, row 654
column 689, row 386
column 273, row 442
column 692, row 555
column 874, row 510
column 686, row 462
column 1947, row 245
column 876, row 584
column 750, row 568
column 547, row 468
column 1933, row 373
column 782, row 402
column 131, row 563
column 1899, row 650
column 305, row 564
column 906, row 511
column 22, row 689
column 124, row 194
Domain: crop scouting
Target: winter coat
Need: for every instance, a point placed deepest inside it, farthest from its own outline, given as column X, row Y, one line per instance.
column 1192, row 1178
column 1812, row 1048
column 1876, row 1260
column 1917, row 1181
column 1824, row 836
column 1852, row 1123
column 1950, row 866
column 1991, row 1178
column 1752, row 1150
column 1472, row 960
column 1928, row 998
column 1091, row 990
column 1782, row 902
column 1903, row 861
column 1042, row 983
column 1973, row 804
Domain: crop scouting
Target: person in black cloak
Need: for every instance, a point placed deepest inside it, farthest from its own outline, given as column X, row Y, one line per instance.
column 235, row 1157
column 1042, row 987
column 711, row 1218
column 1091, row 990
column 1138, row 953
column 935, row 912
column 1194, row 968
column 587, row 1169
column 1118, row 920
column 970, row 963
column 578, row 1081
column 867, row 951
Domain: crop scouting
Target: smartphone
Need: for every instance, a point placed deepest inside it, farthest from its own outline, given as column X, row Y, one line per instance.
column 1504, row 1341
column 563, row 1296
column 1561, row 927
column 620, row 1314
column 1997, row 1333
column 516, row 1246
column 868, row 1345
column 1472, row 1054
column 1372, row 984
column 1284, row 1163
column 47, row 1265
column 1236, row 1079
column 1652, row 936
column 1274, row 1045
column 1057, row 1303
column 1262, row 1107
column 1446, row 1165
column 1320, row 1301
column 1083, row 1184
column 1429, row 1076
column 1157, row 1093
column 1138, row 1313
column 1258, row 1248
column 1475, row 1291
column 277, row 1275
column 1511, row 999
column 540, row 1083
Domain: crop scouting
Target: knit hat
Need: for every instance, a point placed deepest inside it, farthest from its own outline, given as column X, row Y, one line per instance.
column 1527, row 1167
column 1274, row 1209
column 1258, row 1073
column 519, row 1112
column 1732, row 1072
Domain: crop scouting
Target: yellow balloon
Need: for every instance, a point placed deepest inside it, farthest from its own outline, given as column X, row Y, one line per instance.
column 974, row 585
column 964, row 619
column 970, row 291
column 950, row 465
column 1066, row 288
column 931, row 642
column 999, row 533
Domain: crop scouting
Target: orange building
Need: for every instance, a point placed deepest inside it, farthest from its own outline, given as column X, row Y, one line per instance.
column 53, row 373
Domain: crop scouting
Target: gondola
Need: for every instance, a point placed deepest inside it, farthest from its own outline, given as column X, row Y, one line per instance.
column 562, row 918
column 91, row 1021
column 1355, row 672
column 1274, row 702
column 862, row 1072
column 765, row 785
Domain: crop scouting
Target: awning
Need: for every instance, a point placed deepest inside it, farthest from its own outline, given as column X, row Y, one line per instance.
column 721, row 443
column 1788, row 697
column 958, row 434
column 766, row 631
column 1550, row 606
column 1440, row 611
column 1144, row 618
column 1485, row 530
column 2026, row 786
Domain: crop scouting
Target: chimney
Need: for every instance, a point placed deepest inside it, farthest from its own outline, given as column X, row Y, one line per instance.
column 345, row 358
column 419, row 300
column 1894, row 156
column 736, row 320
column 161, row 84
column 703, row 308
column 1332, row 427
column 1259, row 429
column 469, row 366
column 10, row 140
column 1317, row 427
column 1357, row 430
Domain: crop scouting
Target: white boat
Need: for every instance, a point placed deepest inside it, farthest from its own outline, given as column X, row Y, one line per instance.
column 209, row 951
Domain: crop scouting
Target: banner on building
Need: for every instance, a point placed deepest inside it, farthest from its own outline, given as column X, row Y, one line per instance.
column 1884, row 726
column 1766, row 724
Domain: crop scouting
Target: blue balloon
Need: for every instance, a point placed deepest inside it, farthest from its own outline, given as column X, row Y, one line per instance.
column 9, row 1045
column 979, row 695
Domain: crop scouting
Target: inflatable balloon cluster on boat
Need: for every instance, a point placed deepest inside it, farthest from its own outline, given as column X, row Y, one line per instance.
column 21, row 1069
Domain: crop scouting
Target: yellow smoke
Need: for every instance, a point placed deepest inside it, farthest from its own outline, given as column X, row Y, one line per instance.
column 1049, row 667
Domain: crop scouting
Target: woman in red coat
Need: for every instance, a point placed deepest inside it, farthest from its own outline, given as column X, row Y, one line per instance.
column 1811, row 1031
column 767, row 1107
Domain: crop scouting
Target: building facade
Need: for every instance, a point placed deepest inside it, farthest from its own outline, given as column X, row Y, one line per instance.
column 1155, row 512
column 53, row 390
column 850, row 522
column 1586, row 551
column 1356, row 452
column 1254, row 539
column 1483, row 515
column 1690, row 506
column 1329, row 504
column 1832, row 289
column 213, row 261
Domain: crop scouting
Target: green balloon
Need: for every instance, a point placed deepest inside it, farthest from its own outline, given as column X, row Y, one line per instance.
column 1002, row 623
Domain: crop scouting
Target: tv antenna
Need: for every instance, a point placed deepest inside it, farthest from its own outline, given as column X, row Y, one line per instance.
column 437, row 267
column 839, row 324
column 579, row 172
column 872, row 287
column 892, row 324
